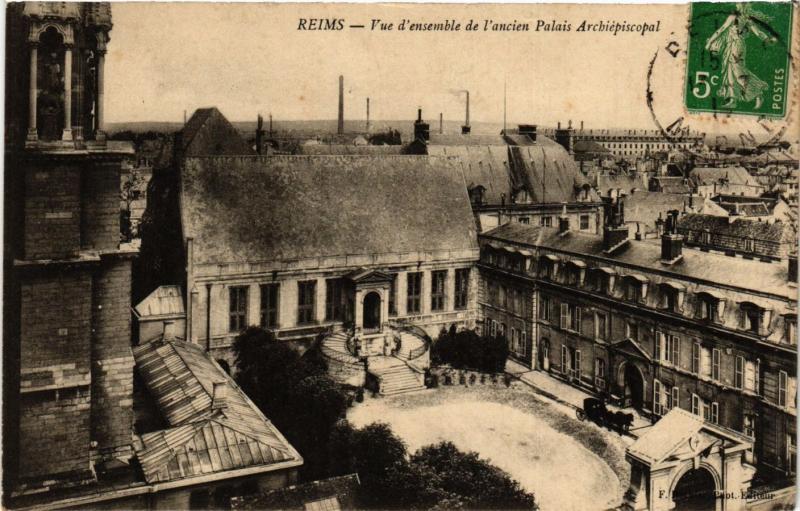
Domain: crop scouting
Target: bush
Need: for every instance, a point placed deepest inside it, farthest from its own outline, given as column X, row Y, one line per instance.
column 468, row 350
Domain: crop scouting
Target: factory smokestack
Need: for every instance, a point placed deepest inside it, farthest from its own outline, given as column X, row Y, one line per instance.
column 441, row 123
column 367, row 115
column 340, row 125
column 259, row 134
column 465, row 129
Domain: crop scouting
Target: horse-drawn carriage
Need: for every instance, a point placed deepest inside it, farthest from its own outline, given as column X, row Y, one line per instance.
column 595, row 410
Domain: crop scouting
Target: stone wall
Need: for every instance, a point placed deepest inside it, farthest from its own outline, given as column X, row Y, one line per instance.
column 100, row 212
column 55, row 432
column 112, row 360
column 52, row 212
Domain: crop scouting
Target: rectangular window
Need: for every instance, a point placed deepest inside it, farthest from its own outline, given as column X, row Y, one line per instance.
column 564, row 359
column 791, row 452
column 523, row 335
column 546, row 221
column 715, row 357
column 334, row 298
column 658, row 407
column 714, row 413
column 782, row 384
column 576, row 318
column 438, row 279
column 696, row 404
column 696, row 358
column 492, row 327
column 524, row 220
column 393, row 295
column 512, row 341
column 238, row 308
column 462, row 288
column 576, row 364
column 544, row 307
column 600, row 373
column 676, row 402
column 413, row 292
column 306, row 295
column 601, row 327
column 584, row 222
column 791, row 330
column 705, row 362
column 269, row 305
column 738, row 375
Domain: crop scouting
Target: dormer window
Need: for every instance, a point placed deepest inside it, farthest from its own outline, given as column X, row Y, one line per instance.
column 753, row 318
column 635, row 288
column 710, row 307
column 576, row 272
column 548, row 267
column 604, row 280
column 672, row 295
column 791, row 329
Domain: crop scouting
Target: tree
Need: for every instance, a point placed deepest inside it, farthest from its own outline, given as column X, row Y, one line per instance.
column 129, row 191
column 477, row 483
column 294, row 392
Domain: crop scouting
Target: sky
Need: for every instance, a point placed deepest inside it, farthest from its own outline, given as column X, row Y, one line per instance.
column 251, row 58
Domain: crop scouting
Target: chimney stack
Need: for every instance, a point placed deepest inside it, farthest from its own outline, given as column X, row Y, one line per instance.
column 465, row 129
column 367, row 115
column 270, row 125
column 563, row 221
column 615, row 232
column 441, row 123
column 422, row 129
column 259, row 134
column 671, row 241
column 340, row 125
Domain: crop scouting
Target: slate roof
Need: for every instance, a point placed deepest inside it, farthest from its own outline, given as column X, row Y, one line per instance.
column 706, row 176
column 695, row 264
column 163, row 301
column 590, row 147
column 259, row 209
column 776, row 232
column 628, row 184
column 502, row 166
column 672, row 184
column 646, row 207
column 208, row 132
column 312, row 149
column 201, row 440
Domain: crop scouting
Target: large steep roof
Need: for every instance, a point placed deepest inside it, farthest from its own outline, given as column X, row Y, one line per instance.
column 258, row 209
column 504, row 165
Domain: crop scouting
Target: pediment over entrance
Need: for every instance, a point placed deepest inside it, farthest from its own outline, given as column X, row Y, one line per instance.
column 632, row 348
column 368, row 276
column 682, row 460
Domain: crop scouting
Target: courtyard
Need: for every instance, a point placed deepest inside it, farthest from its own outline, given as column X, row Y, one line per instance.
column 567, row 464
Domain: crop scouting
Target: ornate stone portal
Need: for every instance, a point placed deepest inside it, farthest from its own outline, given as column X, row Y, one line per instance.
column 683, row 462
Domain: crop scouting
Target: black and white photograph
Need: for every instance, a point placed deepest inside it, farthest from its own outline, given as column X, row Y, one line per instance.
column 419, row 256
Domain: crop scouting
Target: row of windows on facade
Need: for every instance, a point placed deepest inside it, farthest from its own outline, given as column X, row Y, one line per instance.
column 671, row 297
column 706, row 362
column 666, row 396
column 336, row 303
column 547, row 221
column 705, row 237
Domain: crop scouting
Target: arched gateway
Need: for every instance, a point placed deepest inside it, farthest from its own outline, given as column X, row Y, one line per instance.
column 685, row 463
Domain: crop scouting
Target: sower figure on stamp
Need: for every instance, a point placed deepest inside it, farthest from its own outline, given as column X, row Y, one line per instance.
column 737, row 82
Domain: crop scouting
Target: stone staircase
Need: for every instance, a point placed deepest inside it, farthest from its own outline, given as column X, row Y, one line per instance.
column 409, row 344
column 397, row 379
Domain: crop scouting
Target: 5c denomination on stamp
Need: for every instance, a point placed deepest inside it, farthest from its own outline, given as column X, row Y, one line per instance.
column 739, row 58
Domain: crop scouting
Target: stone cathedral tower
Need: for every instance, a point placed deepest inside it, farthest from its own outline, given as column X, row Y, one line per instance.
column 68, row 366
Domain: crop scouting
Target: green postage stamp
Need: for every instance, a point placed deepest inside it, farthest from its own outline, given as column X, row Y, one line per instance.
column 739, row 58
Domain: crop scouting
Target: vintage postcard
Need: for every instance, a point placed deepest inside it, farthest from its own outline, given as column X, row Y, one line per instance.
column 331, row 256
